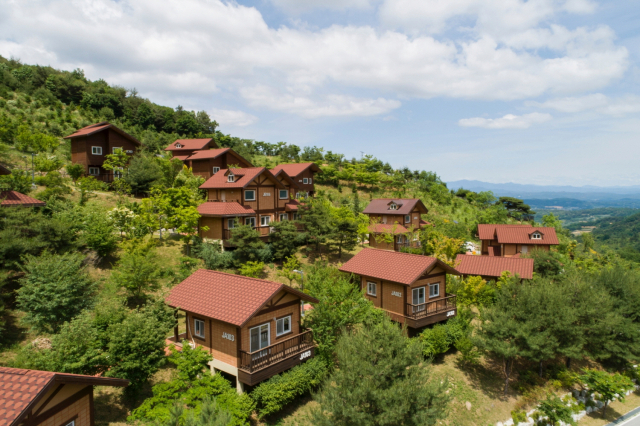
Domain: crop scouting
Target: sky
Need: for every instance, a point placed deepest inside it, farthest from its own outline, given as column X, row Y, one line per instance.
column 533, row 92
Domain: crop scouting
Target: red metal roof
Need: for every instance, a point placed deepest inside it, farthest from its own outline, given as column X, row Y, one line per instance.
column 98, row 127
column 208, row 153
column 243, row 178
column 403, row 268
column 219, row 208
column 405, row 206
column 386, row 228
column 191, row 144
column 233, row 299
column 14, row 198
column 488, row 231
column 493, row 266
column 294, row 169
column 21, row 389
column 512, row 235
column 292, row 206
column 181, row 157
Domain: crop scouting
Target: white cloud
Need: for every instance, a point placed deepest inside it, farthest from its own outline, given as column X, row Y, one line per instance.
column 232, row 118
column 299, row 6
column 327, row 106
column 594, row 102
column 509, row 121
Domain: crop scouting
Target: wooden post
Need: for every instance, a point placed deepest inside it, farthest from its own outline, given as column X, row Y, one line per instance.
column 176, row 332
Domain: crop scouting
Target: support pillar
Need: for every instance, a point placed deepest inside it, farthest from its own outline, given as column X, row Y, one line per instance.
column 239, row 386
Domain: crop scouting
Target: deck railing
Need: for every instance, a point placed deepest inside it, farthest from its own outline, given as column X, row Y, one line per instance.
column 262, row 230
column 431, row 308
column 252, row 361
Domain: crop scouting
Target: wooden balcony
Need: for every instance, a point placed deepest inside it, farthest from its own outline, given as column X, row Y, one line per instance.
column 431, row 312
column 264, row 231
column 260, row 365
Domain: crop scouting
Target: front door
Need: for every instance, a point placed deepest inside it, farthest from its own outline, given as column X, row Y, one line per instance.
column 525, row 249
column 418, row 299
column 259, row 339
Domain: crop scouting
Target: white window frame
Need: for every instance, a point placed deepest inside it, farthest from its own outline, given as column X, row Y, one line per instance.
column 372, row 289
column 96, row 150
column 399, row 239
column 262, row 220
column 231, row 177
column 259, row 327
column 250, row 219
column 253, row 198
column 536, row 236
column 118, row 172
column 407, row 218
column 113, row 149
column 231, row 223
column 283, row 217
column 97, row 169
column 178, row 145
column 215, row 170
column 286, row 194
column 393, row 206
column 198, row 328
column 434, row 293
column 310, row 181
column 415, row 299
column 71, row 423
column 305, row 181
column 283, row 321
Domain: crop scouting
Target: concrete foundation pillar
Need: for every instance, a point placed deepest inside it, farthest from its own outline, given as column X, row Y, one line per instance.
column 239, row 386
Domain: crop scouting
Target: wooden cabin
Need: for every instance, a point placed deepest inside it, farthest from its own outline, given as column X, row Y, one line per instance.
column 183, row 148
column 17, row 199
column 91, row 144
column 397, row 219
column 207, row 163
column 514, row 240
column 410, row 288
column 251, row 327
column 251, row 196
column 303, row 174
column 492, row 267
column 44, row 398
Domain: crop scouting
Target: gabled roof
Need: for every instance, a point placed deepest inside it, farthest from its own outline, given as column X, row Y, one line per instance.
column 292, row 206
column 4, row 170
column 219, row 208
column 488, row 231
column 403, row 268
column 233, row 299
column 243, row 178
column 405, row 206
column 294, row 169
column 513, row 235
column 208, row 154
column 15, row 198
column 281, row 174
column 191, row 144
column 21, row 390
column 395, row 229
column 99, row 127
column 492, row 266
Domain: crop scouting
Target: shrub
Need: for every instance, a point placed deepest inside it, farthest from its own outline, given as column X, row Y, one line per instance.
column 518, row 417
column 213, row 256
column 556, row 410
column 274, row 394
column 435, row 341
column 252, row 269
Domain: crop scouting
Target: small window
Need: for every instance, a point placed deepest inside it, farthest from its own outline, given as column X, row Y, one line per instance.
column 178, row 145
column 250, row 195
column 71, row 423
column 372, row 288
column 407, row 218
column 536, row 236
column 117, row 172
column 305, row 181
column 296, row 216
column 393, row 206
column 284, row 216
column 264, row 220
column 283, row 326
column 251, row 221
column 216, row 170
column 400, row 239
column 116, row 149
column 231, row 178
column 310, row 181
column 94, row 171
column 198, row 328
column 434, row 290
column 96, row 150
column 284, row 194
column 231, row 223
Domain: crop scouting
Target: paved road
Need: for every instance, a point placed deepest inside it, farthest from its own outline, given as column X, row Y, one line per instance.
column 629, row 419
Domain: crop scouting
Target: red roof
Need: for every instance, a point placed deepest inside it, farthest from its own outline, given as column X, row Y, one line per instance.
column 4, row 170
column 405, row 206
column 181, row 157
column 389, row 229
column 20, row 390
column 293, row 170
column 488, row 231
column 14, row 198
column 292, row 206
column 191, row 144
column 403, row 268
column 233, row 299
column 493, row 266
column 208, row 153
column 219, row 208
column 243, row 177
column 512, row 235
column 98, row 127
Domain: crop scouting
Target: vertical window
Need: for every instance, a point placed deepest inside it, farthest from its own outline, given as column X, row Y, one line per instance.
column 251, row 221
column 216, row 170
column 305, row 181
column 399, row 239
column 393, row 206
column 283, row 326
column 418, row 299
column 198, row 328
column 284, row 216
column 258, row 339
column 310, row 182
column 434, row 290
column 96, row 150
column 296, row 216
column 264, row 220
column 231, row 178
column 407, row 218
column 117, row 172
column 284, row 194
column 94, row 171
column 231, row 223
column 250, row 195
column 372, row 289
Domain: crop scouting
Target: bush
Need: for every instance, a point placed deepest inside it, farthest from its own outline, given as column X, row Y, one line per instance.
column 274, row 394
column 435, row 341
column 442, row 337
column 252, row 269
column 518, row 416
column 213, row 256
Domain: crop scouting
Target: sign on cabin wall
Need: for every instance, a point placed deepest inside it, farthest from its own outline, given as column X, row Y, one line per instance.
column 396, row 293
column 228, row 336
column 266, row 194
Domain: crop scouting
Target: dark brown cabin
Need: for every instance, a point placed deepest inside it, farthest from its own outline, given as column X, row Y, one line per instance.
column 303, row 174
column 398, row 218
column 182, row 148
column 208, row 162
column 514, row 240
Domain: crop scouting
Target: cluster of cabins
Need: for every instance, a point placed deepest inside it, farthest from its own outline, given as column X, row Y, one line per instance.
column 252, row 327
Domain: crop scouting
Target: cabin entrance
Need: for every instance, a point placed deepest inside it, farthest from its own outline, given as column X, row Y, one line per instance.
column 418, row 299
column 259, row 339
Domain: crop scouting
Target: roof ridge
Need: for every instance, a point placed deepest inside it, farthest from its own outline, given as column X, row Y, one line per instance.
column 239, row 276
column 400, row 252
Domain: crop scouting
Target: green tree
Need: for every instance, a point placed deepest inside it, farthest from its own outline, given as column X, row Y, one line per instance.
column 55, row 289
column 382, row 380
column 75, row 171
column 516, row 208
column 252, row 269
column 98, row 233
column 284, row 239
column 610, row 387
column 137, row 270
column 247, row 242
column 211, row 414
column 316, row 217
column 556, row 411
column 44, row 162
column 18, row 180
column 188, row 219
column 344, row 235
column 587, row 242
column 143, row 172
column 289, row 268
column 88, row 186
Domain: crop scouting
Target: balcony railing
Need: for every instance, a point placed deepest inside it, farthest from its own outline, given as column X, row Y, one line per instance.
column 262, row 230
column 431, row 308
column 252, row 361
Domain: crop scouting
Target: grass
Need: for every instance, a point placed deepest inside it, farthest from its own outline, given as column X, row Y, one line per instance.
column 614, row 410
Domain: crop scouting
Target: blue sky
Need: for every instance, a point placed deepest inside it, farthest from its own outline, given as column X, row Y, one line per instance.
column 538, row 91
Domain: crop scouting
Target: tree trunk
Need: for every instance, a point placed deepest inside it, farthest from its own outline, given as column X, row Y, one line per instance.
column 507, row 372
column 540, row 368
column 604, row 409
column 568, row 363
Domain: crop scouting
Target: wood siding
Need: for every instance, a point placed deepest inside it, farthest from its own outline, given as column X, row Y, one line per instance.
column 107, row 139
column 78, row 406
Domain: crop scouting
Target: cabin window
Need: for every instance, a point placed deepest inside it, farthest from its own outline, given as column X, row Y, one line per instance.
column 198, row 328
column 117, row 172
column 296, row 216
column 231, row 178
column 264, row 220
column 434, row 290
column 310, row 182
column 216, row 170
column 407, row 218
column 231, row 223
column 178, row 145
column 284, row 216
column 251, row 221
column 536, row 236
column 70, row 423
column 96, row 150
column 393, row 206
column 115, row 149
column 399, row 239
column 259, row 338
column 417, row 298
column 284, row 194
column 94, row 171
column 305, row 181
column 283, row 326
column 250, row 195
column 372, row 289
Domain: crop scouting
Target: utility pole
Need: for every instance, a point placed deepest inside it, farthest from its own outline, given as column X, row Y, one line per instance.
column 33, row 173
